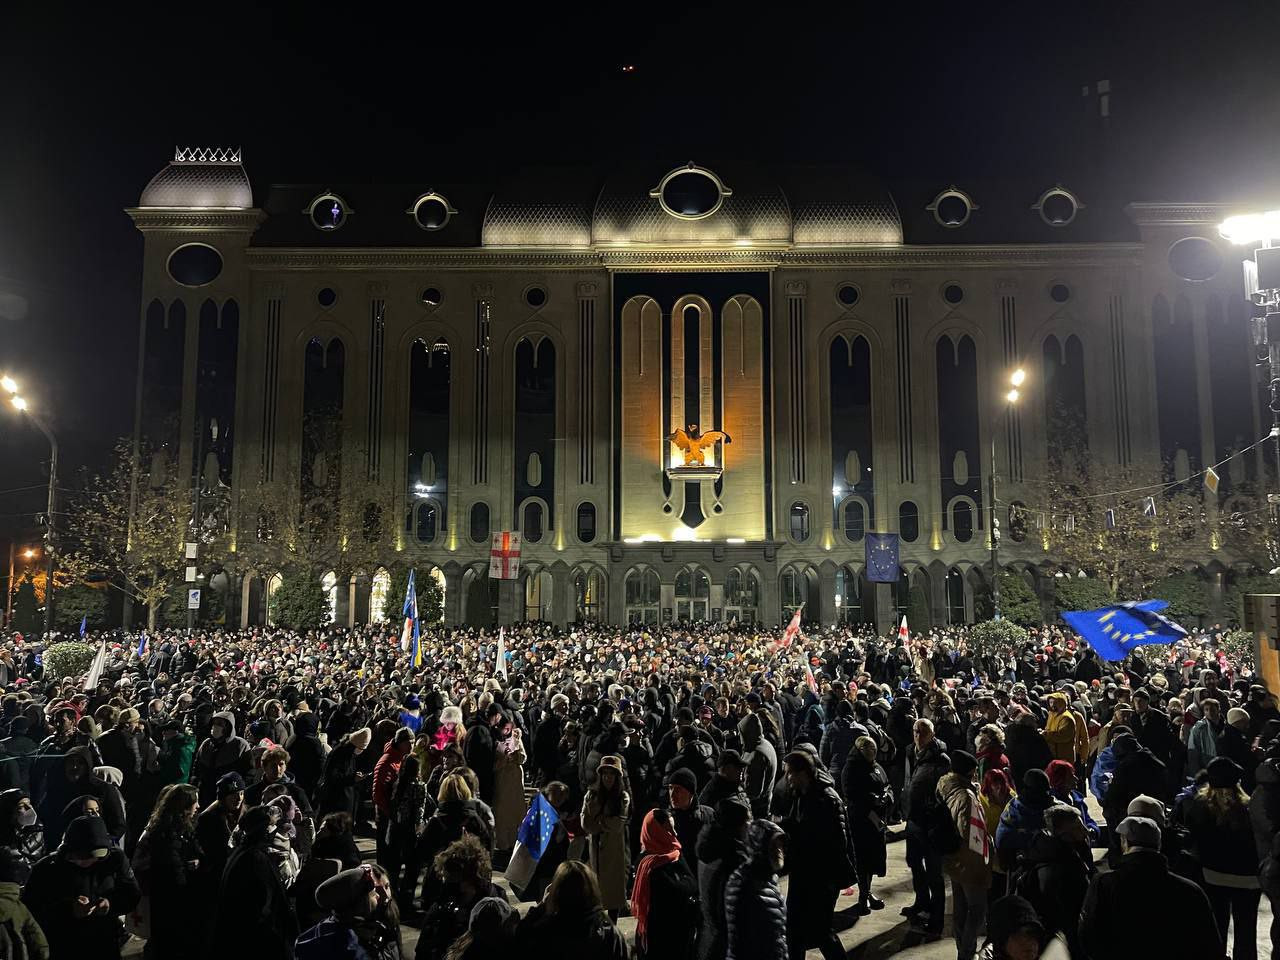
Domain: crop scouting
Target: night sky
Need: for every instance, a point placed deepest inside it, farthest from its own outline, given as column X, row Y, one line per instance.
column 92, row 103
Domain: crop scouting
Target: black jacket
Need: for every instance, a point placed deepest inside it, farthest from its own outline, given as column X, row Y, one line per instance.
column 868, row 799
column 479, row 752
column 689, row 824
column 1142, row 886
column 755, row 912
column 1136, row 773
column 546, row 746
column 593, row 937
column 160, row 864
column 338, row 786
column 927, row 769
column 1056, row 880
column 673, row 913
column 255, row 918
column 819, row 853
column 1026, row 750
column 719, row 854
column 306, row 754
column 446, row 920
column 56, row 883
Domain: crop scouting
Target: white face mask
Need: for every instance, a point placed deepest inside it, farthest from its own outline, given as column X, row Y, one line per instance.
column 27, row 817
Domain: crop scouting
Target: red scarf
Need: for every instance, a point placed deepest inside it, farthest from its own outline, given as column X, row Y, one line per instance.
column 661, row 846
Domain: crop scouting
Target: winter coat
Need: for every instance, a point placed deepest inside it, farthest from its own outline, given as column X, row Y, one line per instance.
column 1104, row 768
column 338, row 786
column 332, row 939
column 762, row 765
column 447, row 824
column 174, row 761
column 719, row 854
column 868, row 799
column 967, row 866
column 1142, row 886
column 1234, row 744
column 55, row 884
column 62, row 791
column 1202, row 745
column 213, row 835
column 1022, row 819
column 120, row 750
column 755, row 911
column 608, row 846
column 837, row 744
column 927, row 769
column 1136, row 773
column 446, row 920
column 306, row 754
column 1026, row 749
column 819, row 854
column 509, row 805
column 479, row 751
column 217, row 757
column 255, row 918
column 385, row 772
column 1060, row 731
column 15, row 915
column 1055, row 877
column 673, row 913
column 698, row 757
column 593, row 937
column 160, row 866
column 546, row 746
column 1224, row 846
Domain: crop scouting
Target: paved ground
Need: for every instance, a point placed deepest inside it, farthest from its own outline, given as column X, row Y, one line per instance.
column 881, row 934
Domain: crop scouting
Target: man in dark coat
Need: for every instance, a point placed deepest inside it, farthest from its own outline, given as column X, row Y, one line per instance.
column 223, row 752
column 78, row 893
column 77, row 780
column 1025, row 747
column 819, row 855
column 306, row 754
column 1137, row 772
column 721, row 849
column 929, row 762
column 214, row 826
column 762, row 764
column 1142, row 886
column 1151, row 726
column 687, row 815
column 1055, row 873
column 755, row 915
column 546, row 739
column 726, row 783
column 255, row 918
column 480, row 751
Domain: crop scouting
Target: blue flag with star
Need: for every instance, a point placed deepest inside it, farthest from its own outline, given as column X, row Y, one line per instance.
column 1116, row 631
column 532, row 839
column 882, row 557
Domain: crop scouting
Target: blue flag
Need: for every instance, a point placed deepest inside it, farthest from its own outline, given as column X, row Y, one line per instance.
column 411, row 631
column 142, row 643
column 882, row 557
column 539, row 824
column 1117, row 630
column 84, row 625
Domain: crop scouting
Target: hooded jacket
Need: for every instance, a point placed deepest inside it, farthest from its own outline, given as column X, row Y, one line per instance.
column 1060, row 729
column 215, row 757
column 762, row 764
column 306, row 753
column 1022, row 819
column 720, row 853
column 55, row 884
column 61, row 791
column 754, row 909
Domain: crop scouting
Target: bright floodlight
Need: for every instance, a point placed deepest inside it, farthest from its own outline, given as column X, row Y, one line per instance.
column 20, row 402
column 9, row 384
column 1251, row 227
column 28, row 553
column 1012, row 396
column 1018, row 377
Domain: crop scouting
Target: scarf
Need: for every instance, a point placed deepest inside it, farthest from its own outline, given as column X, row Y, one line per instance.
column 661, row 847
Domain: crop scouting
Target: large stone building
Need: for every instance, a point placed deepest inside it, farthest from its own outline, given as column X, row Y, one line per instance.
column 513, row 356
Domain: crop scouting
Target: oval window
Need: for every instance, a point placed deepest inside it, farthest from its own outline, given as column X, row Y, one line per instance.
column 847, row 294
column 1060, row 293
column 908, row 521
column 328, row 212
column 327, row 297
column 431, row 212
column 431, row 297
column 479, row 522
column 952, row 209
column 535, row 296
column 799, row 521
column 953, row 293
column 1058, row 208
column 586, row 522
column 691, row 194
column 1196, row 259
column 195, row 265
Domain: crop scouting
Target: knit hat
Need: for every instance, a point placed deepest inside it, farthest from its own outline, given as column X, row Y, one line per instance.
column 683, row 778
column 963, row 763
column 230, row 783
column 1224, row 772
column 1061, row 774
column 1238, row 717
column 1145, row 806
column 489, row 916
column 344, row 889
column 1140, row 832
column 559, row 700
column 1008, row 916
column 732, row 758
column 1035, row 783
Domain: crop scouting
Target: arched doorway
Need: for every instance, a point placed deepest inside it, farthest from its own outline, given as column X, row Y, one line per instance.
column 798, row 586
column 538, row 590
column 479, row 597
column 588, row 594
column 643, row 595
column 742, row 595
column 693, row 594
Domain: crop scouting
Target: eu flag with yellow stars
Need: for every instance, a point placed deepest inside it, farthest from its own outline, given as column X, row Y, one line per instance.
column 1115, row 631
column 532, row 839
column 882, row 557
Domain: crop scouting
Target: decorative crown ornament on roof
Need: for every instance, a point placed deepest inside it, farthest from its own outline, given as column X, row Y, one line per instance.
column 206, row 154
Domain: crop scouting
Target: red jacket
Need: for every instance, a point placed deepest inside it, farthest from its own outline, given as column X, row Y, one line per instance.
column 385, row 772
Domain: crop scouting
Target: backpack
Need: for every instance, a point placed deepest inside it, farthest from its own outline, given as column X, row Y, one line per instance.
column 941, row 831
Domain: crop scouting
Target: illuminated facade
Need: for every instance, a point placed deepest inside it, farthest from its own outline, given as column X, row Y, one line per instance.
column 515, row 356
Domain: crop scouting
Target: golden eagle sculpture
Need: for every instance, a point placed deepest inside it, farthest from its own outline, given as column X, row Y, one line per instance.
column 694, row 444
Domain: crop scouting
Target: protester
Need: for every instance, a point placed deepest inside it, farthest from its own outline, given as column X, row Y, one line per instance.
column 571, row 920
column 755, row 911
column 605, row 813
column 868, row 800
column 664, row 898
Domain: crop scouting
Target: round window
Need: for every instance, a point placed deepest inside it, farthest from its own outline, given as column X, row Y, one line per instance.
column 1195, row 259
column 690, row 193
column 1060, row 293
column 327, row 297
column 847, row 294
column 431, row 297
column 535, row 296
column 432, row 212
column 1057, row 207
column 328, row 212
column 195, row 265
column 953, row 293
column 951, row 208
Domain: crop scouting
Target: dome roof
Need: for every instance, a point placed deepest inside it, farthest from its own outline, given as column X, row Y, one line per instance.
column 200, row 178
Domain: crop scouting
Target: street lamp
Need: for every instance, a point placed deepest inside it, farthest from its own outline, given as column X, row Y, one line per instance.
column 20, row 403
column 1016, row 379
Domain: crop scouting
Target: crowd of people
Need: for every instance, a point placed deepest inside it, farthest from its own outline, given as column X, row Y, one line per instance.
column 208, row 794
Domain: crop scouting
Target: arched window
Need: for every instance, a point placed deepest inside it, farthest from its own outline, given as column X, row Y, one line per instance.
column 531, row 524
column 794, row 590
column 274, row 584
column 693, row 594
column 799, row 518
column 588, row 589
column 955, row 596
column 586, row 522
column 848, row 596
column 962, row 521
column 427, row 522
column 378, row 596
column 643, row 594
column 479, row 522
column 908, row 522
column 855, row 521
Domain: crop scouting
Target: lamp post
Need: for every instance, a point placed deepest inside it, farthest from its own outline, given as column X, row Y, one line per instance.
column 20, row 403
column 1016, row 379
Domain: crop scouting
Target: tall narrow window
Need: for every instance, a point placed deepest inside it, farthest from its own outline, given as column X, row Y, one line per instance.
column 799, row 522
column 586, row 522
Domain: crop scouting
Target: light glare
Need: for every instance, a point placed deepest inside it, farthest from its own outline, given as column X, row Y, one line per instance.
column 1012, row 396
column 20, row 403
column 1251, row 227
column 1018, row 377
column 9, row 384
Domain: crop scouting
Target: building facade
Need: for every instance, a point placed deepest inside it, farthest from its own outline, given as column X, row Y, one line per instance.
column 515, row 356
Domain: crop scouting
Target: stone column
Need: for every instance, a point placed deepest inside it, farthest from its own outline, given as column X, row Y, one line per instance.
column 510, row 601
column 452, row 596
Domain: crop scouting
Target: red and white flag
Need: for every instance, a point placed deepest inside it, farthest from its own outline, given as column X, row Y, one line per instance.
column 793, row 630
column 903, row 635
column 504, row 556
column 809, row 678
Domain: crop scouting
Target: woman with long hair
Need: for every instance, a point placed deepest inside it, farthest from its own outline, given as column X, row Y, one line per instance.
column 869, row 799
column 664, row 900
column 1217, row 816
column 455, row 816
column 360, row 913
column 407, row 819
column 605, row 812
column 165, row 863
column 571, row 920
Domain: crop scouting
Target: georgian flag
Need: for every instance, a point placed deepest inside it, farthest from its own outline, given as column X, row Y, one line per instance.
column 903, row 634
column 793, row 630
